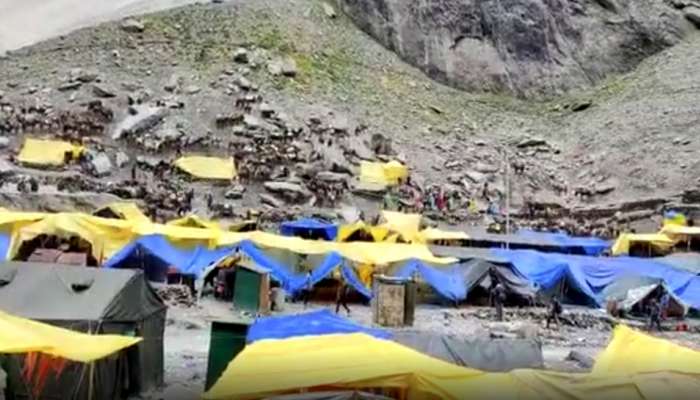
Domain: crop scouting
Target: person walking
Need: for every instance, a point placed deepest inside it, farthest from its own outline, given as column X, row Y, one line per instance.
column 499, row 298
column 654, row 315
column 342, row 297
column 308, row 287
column 555, row 311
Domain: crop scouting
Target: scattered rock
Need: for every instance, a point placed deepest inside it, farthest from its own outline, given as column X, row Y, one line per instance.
column 4, row 142
column 103, row 91
column 235, row 193
column 331, row 177
column 251, row 122
column 99, row 164
column 282, row 66
column 86, row 76
column 190, row 90
column 271, row 200
column 475, row 176
column 172, row 84
column 73, row 85
column 531, row 142
column 436, row 109
column 242, row 82
column 329, row 10
column 274, row 68
column 121, row 159
column 290, row 191
column 582, row 359
column 146, row 119
column 227, row 120
column 692, row 14
column 240, row 55
column 266, row 110
column 131, row 25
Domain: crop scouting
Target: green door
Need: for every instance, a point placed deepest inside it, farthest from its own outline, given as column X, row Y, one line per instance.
column 227, row 339
column 246, row 292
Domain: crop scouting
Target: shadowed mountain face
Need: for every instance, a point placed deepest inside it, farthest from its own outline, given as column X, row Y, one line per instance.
column 529, row 48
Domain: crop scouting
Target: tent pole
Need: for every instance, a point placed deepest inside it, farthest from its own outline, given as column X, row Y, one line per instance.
column 507, row 166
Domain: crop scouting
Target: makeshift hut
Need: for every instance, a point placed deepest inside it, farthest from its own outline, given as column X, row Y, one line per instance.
column 210, row 168
column 630, row 295
column 193, row 221
column 48, row 153
column 93, row 301
column 309, row 228
column 251, row 289
column 122, row 210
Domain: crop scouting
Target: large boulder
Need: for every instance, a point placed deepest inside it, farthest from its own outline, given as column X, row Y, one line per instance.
column 524, row 47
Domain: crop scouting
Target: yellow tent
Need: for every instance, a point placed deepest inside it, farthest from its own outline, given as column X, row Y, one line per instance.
column 127, row 211
column 377, row 233
column 631, row 352
column 208, row 167
column 19, row 335
column 48, row 152
column 182, row 236
column 382, row 173
column 656, row 240
column 193, row 221
column 406, row 225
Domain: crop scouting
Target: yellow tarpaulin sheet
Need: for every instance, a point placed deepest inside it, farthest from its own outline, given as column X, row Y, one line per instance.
column 407, row 225
column 657, row 240
column 382, row 173
column 128, row 211
column 680, row 230
column 433, row 234
column 358, row 361
column 631, row 352
column 207, row 167
column 19, row 335
column 48, row 152
column 377, row 233
column 193, row 221
column 182, row 236
column 106, row 236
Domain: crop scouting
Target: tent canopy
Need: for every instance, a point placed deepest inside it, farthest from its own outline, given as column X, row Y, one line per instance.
column 19, row 335
column 50, row 153
column 406, row 225
column 659, row 241
column 382, row 173
column 65, row 293
column 214, row 168
column 123, row 210
column 322, row 322
column 310, row 228
column 193, row 221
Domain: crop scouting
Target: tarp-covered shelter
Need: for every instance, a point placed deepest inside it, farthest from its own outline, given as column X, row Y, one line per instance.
column 486, row 354
column 155, row 255
column 684, row 261
column 310, row 229
column 406, row 226
column 360, row 362
column 631, row 294
column 213, row 168
column 387, row 174
column 642, row 244
column 361, row 232
column 48, row 153
column 314, row 323
column 193, row 221
column 122, row 210
column 540, row 241
column 95, row 301
column 456, row 282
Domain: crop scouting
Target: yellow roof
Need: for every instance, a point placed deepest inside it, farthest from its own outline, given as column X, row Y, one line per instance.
column 19, row 335
column 378, row 233
column 47, row 152
column 658, row 240
column 382, row 173
column 407, row 225
column 207, row 167
column 681, row 230
column 128, row 211
column 357, row 362
column 631, row 352
column 194, row 221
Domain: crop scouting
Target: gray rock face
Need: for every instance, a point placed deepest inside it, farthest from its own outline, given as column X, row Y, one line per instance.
column 693, row 15
column 525, row 47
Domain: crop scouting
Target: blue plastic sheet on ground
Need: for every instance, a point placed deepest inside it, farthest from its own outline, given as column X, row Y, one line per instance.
column 157, row 254
column 310, row 229
column 447, row 282
column 322, row 322
column 590, row 275
column 591, row 246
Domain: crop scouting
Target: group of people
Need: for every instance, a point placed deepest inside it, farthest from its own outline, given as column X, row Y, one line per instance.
column 408, row 197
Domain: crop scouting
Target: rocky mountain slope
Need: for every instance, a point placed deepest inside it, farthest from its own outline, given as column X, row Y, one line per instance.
column 523, row 47
column 319, row 96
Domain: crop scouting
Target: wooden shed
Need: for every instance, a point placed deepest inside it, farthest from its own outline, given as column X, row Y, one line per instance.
column 393, row 301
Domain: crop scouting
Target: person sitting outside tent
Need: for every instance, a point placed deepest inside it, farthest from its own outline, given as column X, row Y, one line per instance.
column 654, row 315
column 555, row 311
column 341, row 298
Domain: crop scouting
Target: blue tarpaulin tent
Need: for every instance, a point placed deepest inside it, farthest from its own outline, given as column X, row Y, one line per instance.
column 322, row 322
column 590, row 275
column 309, row 228
column 5, row 240
column 447, row 282
column 155, row 254
column 591, row 246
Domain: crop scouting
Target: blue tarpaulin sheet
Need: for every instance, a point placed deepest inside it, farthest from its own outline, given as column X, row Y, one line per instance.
column 310, row 229
column 5, row 240
column 590, row 275
column 322, row 322
column 591, row 246
column 158, row 254
column 448, row 282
